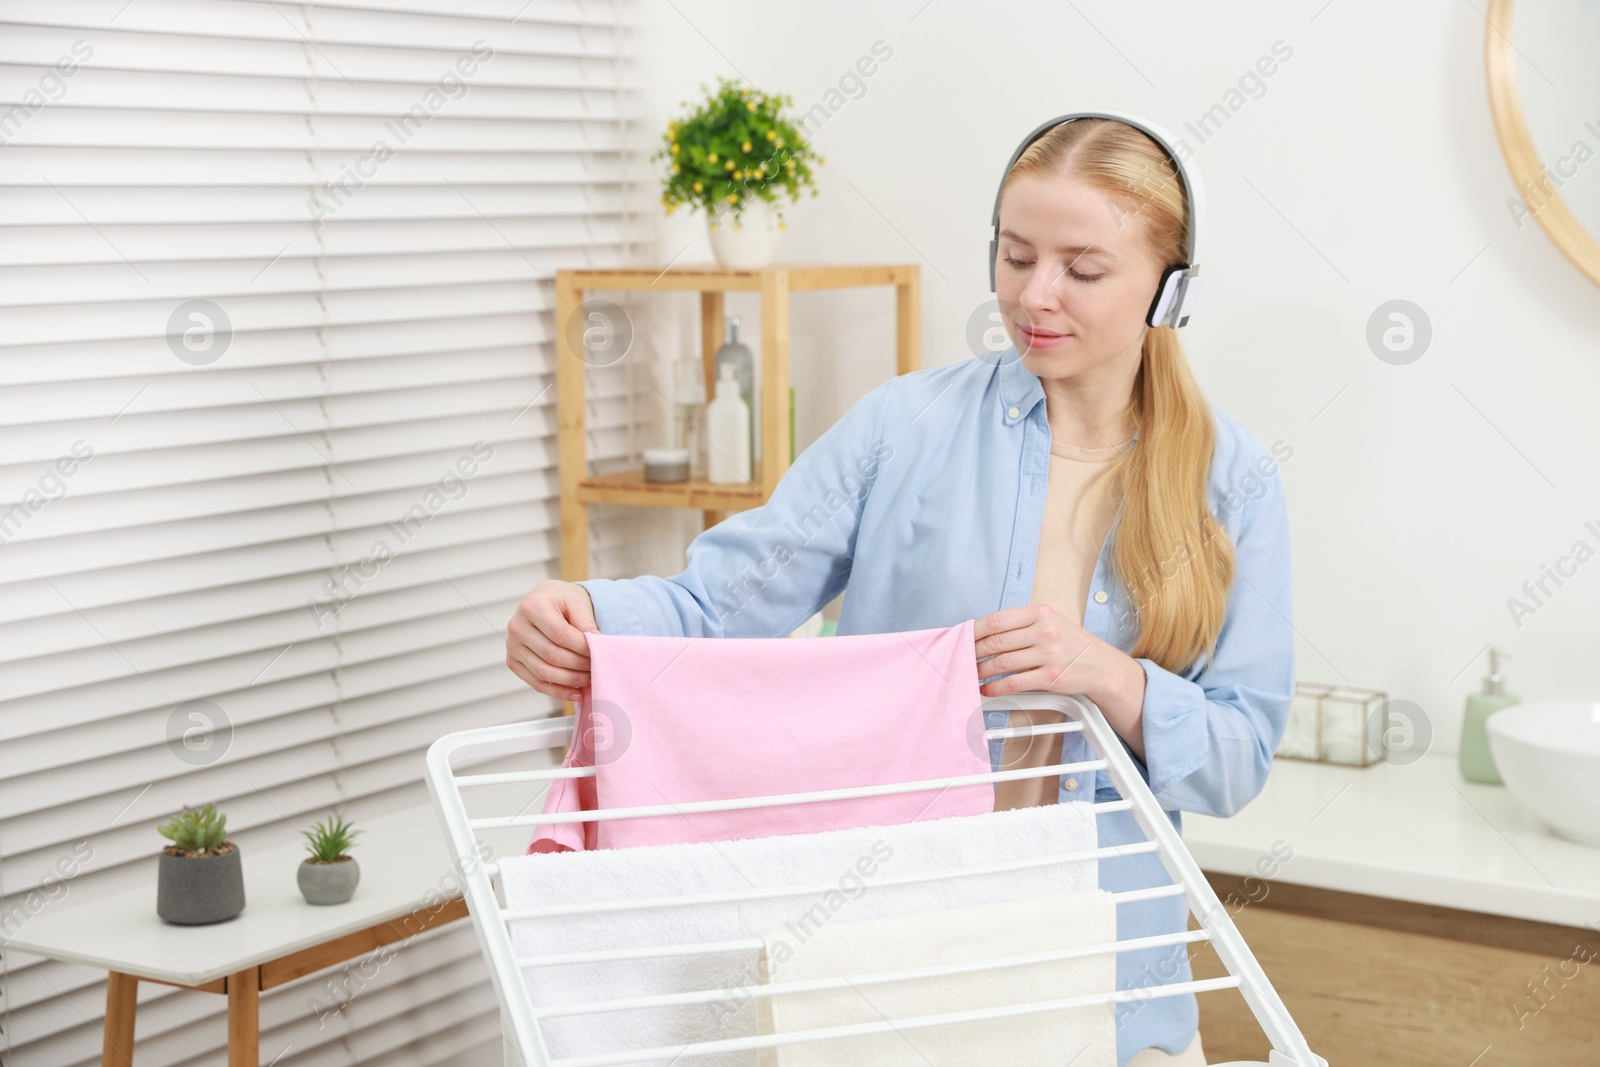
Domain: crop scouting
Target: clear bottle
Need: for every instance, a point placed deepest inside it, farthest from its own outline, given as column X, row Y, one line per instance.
column 736, row 353
column 689, row 397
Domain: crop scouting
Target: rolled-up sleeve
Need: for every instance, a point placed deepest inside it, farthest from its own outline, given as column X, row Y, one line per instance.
column 764, row 571
column 1209, row 737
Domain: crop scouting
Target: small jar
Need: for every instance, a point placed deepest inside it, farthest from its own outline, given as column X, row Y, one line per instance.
column 666, row 464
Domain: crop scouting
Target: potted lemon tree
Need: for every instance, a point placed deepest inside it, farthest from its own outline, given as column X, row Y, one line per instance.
column 198, row 878
column 734, row 156
column 330, row 874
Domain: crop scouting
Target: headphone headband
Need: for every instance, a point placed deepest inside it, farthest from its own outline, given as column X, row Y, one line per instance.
column 1174, row 297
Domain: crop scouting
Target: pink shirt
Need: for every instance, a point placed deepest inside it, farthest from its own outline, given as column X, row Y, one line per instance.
column 678, row 719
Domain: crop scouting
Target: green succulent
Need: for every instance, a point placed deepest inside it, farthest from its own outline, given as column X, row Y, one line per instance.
column 735, row 146
column 329, row 840
column 196, row 830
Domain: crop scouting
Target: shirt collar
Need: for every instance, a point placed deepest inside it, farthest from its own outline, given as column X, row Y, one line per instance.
column 1020, row 388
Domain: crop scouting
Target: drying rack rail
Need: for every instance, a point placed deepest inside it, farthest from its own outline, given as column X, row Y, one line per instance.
column 521, row 1019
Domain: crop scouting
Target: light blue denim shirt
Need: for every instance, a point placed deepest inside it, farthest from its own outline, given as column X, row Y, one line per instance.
column 924, row 505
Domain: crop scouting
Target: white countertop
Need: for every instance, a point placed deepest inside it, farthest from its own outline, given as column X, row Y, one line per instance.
column 1416, row 832
column 404, row 867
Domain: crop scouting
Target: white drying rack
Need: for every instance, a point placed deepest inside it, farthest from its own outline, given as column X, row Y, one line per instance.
column 520, row 1018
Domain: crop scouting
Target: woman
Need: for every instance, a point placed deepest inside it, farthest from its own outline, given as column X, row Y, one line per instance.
column 1133, row 537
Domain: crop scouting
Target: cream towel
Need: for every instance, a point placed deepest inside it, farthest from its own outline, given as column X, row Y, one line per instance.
column 851, row 862
column 1084, row 1037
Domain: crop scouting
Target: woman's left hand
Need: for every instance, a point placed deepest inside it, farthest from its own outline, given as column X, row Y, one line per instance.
column 1048, row 652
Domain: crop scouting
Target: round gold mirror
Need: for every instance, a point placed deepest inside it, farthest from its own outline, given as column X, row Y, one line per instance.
column 1544, row 91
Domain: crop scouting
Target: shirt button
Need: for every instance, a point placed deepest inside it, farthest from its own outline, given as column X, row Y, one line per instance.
column 1013, row 413
column 1100, row 597
column 1071, row 783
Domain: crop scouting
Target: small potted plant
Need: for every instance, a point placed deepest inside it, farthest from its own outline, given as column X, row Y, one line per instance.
column 198, row 878
column 732, row 156
column 330, row 874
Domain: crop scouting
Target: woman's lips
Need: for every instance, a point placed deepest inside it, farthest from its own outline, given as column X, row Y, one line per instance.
column 1037, row 339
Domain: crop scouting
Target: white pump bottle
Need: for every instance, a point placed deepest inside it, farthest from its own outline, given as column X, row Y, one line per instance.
column 728, row 430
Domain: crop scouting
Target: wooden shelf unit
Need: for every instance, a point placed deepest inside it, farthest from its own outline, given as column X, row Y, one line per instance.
column 580, row 489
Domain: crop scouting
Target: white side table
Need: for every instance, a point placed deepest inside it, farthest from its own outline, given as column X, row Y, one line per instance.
column 408, row 884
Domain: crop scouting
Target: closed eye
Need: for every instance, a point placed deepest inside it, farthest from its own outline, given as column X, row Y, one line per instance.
column 1021, row 263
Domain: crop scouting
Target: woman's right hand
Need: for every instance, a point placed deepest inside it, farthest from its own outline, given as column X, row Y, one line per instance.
column 544, row 639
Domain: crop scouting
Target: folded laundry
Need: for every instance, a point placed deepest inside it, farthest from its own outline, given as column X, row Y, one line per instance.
column 672, row 720
column 1084, row 1036
column 844, row 876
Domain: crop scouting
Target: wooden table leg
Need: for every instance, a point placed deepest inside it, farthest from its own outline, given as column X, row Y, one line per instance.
column 244, row 1018
column 122, row 1000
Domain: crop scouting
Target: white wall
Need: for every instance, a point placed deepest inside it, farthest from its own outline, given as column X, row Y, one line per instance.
column 1422, row 496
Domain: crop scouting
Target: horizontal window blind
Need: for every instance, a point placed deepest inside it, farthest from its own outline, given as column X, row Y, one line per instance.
column 278, row 443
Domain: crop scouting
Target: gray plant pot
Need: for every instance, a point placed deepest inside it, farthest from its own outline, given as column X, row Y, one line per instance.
column 191, row 890
column 328, row 883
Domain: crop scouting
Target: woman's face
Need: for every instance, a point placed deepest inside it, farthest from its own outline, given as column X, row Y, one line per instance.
column 1073, row 276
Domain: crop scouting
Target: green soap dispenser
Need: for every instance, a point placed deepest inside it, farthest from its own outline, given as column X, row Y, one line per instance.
column 1477, row 762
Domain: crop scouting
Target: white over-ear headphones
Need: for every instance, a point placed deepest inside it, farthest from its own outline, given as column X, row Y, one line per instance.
column 1174, row 296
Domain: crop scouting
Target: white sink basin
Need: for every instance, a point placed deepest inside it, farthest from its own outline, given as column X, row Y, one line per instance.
column 1548, row 753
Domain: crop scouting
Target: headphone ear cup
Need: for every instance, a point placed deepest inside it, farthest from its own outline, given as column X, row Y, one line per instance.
column 994, row 250
column 1167, row 292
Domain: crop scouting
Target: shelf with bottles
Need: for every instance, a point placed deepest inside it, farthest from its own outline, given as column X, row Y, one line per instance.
column 771, row 413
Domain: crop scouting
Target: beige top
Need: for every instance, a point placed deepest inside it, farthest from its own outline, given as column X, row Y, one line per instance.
column 1072, row 533
column 1069, row 548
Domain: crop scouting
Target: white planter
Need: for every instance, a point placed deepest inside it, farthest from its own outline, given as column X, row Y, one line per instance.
column 748, row 242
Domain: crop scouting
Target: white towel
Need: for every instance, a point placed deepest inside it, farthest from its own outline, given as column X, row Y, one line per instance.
column 1083, row 1036
column 850, row 862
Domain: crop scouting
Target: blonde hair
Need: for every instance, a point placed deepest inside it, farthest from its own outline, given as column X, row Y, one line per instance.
column 1169, row 550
